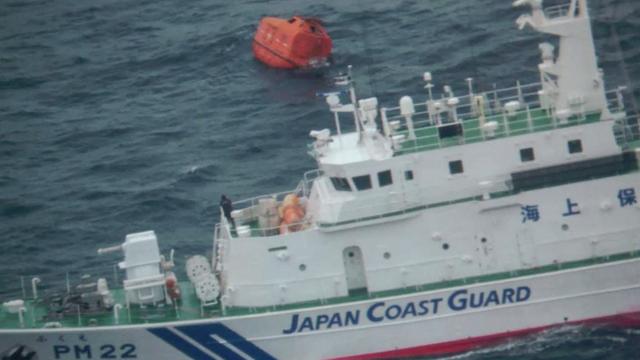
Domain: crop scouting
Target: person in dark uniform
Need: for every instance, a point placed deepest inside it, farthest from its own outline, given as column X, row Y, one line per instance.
column 227, row 208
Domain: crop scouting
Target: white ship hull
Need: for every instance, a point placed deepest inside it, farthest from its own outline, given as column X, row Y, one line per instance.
column 430, row 322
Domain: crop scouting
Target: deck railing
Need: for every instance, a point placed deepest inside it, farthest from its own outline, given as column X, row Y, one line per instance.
column 56, row 304
column 248, row 208
column 557, row 11
column 477, row 113
column 302, row 190
column 627, row 132
column 221, row 237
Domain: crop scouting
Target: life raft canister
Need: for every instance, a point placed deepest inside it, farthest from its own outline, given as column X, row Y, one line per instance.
column 294, row 43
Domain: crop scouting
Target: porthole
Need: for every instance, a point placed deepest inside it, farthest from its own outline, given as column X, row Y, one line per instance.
column 445, row 246
column 351, row 254
column 302, row 267
column 387, row 255
column 483, row 240
column 565, row 227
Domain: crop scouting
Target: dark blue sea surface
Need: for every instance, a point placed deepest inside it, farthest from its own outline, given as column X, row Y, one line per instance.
column 122, row 116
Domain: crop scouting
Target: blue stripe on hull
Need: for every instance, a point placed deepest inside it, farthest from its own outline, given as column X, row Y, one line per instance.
column 181, row 344
column 203, row 335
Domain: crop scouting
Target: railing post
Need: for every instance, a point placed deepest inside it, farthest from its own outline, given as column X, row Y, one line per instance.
column 506, row 123
column 385, row 122
column 619, row 97
column 24, row 291
column 520, row 96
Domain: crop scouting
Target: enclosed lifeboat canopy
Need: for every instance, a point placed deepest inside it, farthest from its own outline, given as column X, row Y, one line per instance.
column 294, row 43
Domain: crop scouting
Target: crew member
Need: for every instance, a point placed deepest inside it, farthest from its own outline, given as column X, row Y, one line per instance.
column 227, row 208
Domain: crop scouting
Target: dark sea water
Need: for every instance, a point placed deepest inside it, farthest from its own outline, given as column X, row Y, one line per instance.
column 122, row 116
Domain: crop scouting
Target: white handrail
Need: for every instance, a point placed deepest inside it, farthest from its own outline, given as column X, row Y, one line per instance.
column 556, row 11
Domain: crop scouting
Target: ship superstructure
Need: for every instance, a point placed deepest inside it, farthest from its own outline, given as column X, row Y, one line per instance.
column 454, row 218
column 451, row 187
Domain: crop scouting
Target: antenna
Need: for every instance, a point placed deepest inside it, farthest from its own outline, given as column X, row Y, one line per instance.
column 347, row 80
column 469, row 81
column 428, row 79
column 365, row 43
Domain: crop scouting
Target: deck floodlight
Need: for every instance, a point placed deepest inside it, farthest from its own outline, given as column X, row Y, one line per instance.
column 333, row 100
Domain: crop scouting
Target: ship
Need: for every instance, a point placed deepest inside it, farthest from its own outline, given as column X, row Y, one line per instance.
column 432, row 227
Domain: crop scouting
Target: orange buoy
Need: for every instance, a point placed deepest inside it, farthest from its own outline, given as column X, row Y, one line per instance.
column 294, row 43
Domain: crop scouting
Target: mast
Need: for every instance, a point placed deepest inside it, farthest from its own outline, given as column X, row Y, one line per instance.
column 572, row 83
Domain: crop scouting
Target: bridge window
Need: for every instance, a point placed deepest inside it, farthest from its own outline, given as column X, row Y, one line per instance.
column 527, row 154
column 455, row 167
column 362, row 182
column 575, row 146
column 384, row 178
column 408, row 175
column 341, row 184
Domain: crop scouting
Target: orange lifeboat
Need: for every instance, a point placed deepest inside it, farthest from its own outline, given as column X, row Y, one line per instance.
column 287, row 44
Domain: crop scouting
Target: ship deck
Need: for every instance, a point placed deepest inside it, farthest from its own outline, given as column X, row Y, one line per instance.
column 427, row 136
column 189, row 306
column 503, row 113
